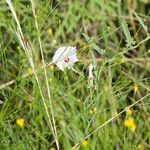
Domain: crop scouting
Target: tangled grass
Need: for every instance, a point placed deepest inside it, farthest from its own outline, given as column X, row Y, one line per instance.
column 42, row 107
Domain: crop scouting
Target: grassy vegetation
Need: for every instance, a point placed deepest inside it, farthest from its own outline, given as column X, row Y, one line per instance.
column 59, row 110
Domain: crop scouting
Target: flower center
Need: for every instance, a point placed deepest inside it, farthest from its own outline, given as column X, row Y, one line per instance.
column 90, row 78
column 66, row 59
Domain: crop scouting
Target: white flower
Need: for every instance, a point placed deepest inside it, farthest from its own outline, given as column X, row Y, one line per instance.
column 90, row 77
column 65, row 57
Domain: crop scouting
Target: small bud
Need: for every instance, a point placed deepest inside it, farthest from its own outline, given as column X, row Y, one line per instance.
column 30, row 71
column 90, row 77
column 128, row 112
column 52, row 67
column 136, row 88
column 49, row 31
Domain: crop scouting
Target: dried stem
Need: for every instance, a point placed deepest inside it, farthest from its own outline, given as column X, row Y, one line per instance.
column 45, row 73
column 28, row 52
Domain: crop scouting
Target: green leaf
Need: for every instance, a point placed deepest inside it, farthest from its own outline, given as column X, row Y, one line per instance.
column 140, row 21
column 87, row 38
column 129, row 39
column 93, row 44
column 98, row 49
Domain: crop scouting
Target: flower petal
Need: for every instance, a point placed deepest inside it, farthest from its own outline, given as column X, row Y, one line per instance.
column 65, row 53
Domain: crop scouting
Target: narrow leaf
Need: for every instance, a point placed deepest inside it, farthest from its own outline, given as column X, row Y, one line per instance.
column 140, row 21
column 126, row 31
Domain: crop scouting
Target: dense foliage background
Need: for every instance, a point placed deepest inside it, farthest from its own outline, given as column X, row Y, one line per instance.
column 111, row 34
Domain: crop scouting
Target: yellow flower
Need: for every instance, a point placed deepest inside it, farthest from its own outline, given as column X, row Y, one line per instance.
column 91, row 110
column 130, row 123
column 84, row 143
column 51, row 67
column 52, row 148
column 139, row 146
column 136, row 88
column 29, row 71
column 20, row 122
column 49, row 31
column 128, row 112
